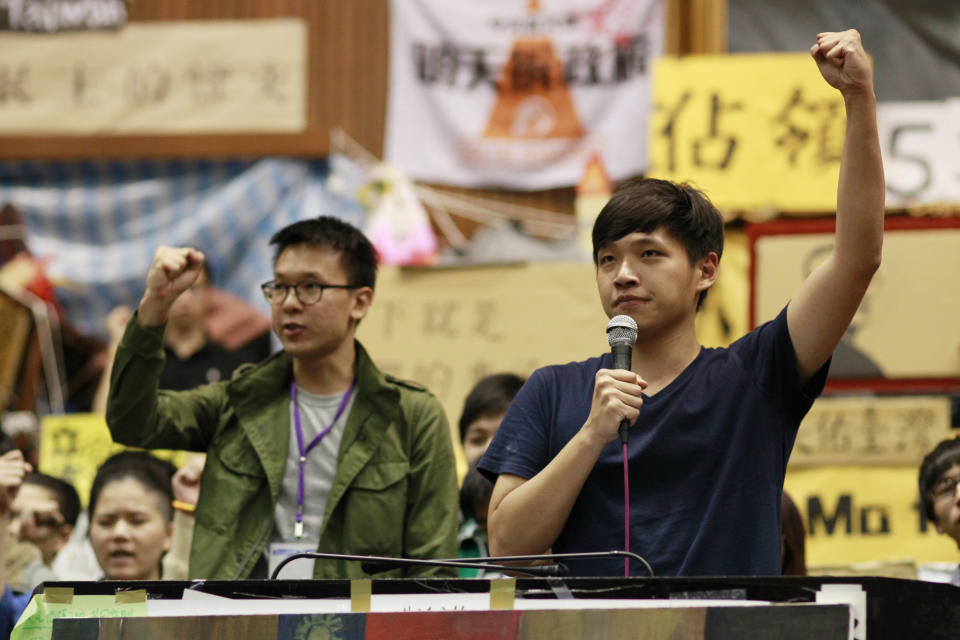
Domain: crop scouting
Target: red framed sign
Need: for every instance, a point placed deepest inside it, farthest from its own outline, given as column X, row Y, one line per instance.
column 906, row 335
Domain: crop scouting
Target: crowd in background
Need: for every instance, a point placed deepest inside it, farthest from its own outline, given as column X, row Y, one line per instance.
column 140, row 513
column 386, row 484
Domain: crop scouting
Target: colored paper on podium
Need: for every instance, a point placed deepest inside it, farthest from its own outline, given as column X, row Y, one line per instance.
column 36, row 622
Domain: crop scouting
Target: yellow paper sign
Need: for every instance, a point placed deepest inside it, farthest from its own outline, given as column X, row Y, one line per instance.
column 73, row 445
column 865, row 514
column 502, row 593
column 754, row 131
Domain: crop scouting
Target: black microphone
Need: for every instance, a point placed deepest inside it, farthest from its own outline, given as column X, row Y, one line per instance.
column 621, row 335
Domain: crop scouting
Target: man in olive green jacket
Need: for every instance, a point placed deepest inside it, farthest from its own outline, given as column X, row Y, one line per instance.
column 388, row 485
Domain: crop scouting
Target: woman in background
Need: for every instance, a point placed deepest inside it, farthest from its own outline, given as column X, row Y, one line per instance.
column 131, row 515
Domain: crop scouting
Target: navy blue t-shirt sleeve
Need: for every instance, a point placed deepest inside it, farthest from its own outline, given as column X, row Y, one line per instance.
column 767, row 354
column 521, row 444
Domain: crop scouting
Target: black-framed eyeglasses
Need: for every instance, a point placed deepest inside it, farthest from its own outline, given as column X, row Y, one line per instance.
column 945, row 488
column 306, row 292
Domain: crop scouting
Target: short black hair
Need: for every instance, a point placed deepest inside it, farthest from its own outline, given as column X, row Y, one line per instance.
column 150, row 471
column 944, row 457
column 476, row 488
column 68, row 500
column 647, row 204
column 490, row 396
column 357, row 254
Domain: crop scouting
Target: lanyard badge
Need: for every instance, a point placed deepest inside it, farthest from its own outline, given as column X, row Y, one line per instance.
column 298, row 522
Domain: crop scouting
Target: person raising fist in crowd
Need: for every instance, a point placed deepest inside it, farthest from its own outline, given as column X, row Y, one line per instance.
column 13, row 469
column 711, row 430
column 44, row 515
column 313, row 449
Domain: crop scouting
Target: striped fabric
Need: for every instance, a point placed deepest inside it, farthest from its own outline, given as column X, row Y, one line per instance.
column 100, row 222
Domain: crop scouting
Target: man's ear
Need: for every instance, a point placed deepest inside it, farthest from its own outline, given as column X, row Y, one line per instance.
column 362, row 299
column 708, row 268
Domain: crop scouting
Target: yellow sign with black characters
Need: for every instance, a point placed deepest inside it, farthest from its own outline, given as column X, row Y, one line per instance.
column 755, row 131
column 447, row 328
column 865, row 514
column 72, row 447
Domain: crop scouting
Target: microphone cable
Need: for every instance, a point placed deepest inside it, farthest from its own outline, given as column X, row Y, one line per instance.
column 626, row 512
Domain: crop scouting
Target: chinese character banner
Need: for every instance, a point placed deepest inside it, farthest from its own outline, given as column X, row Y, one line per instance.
column 203, row 76
column 520, row 95
column 754, row 131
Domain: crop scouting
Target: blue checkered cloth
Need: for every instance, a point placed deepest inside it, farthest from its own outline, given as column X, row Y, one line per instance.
column 100, row 222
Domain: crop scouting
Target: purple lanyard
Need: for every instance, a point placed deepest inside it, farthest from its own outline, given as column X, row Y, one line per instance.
column 298, row 523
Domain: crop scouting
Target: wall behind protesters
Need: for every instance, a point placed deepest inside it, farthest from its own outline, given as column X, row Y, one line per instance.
column 346, row 87
column 346, row 71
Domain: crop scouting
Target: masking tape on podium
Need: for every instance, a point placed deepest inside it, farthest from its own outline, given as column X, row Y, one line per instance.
column 131, row 597
column 502, row 591
column 360, row 591
column 58, row 595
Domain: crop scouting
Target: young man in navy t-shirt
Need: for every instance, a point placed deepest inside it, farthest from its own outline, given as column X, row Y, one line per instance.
column 712, row 429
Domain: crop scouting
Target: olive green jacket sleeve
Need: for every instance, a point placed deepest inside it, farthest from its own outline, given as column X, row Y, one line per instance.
column 140, row 415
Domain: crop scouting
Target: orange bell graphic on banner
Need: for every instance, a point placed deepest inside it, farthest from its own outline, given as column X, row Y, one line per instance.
column 533, row 100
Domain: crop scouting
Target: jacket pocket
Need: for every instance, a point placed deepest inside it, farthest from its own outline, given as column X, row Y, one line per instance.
column 232, row 480
column 375, row 509
column 378, row 476
column 236, row 454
